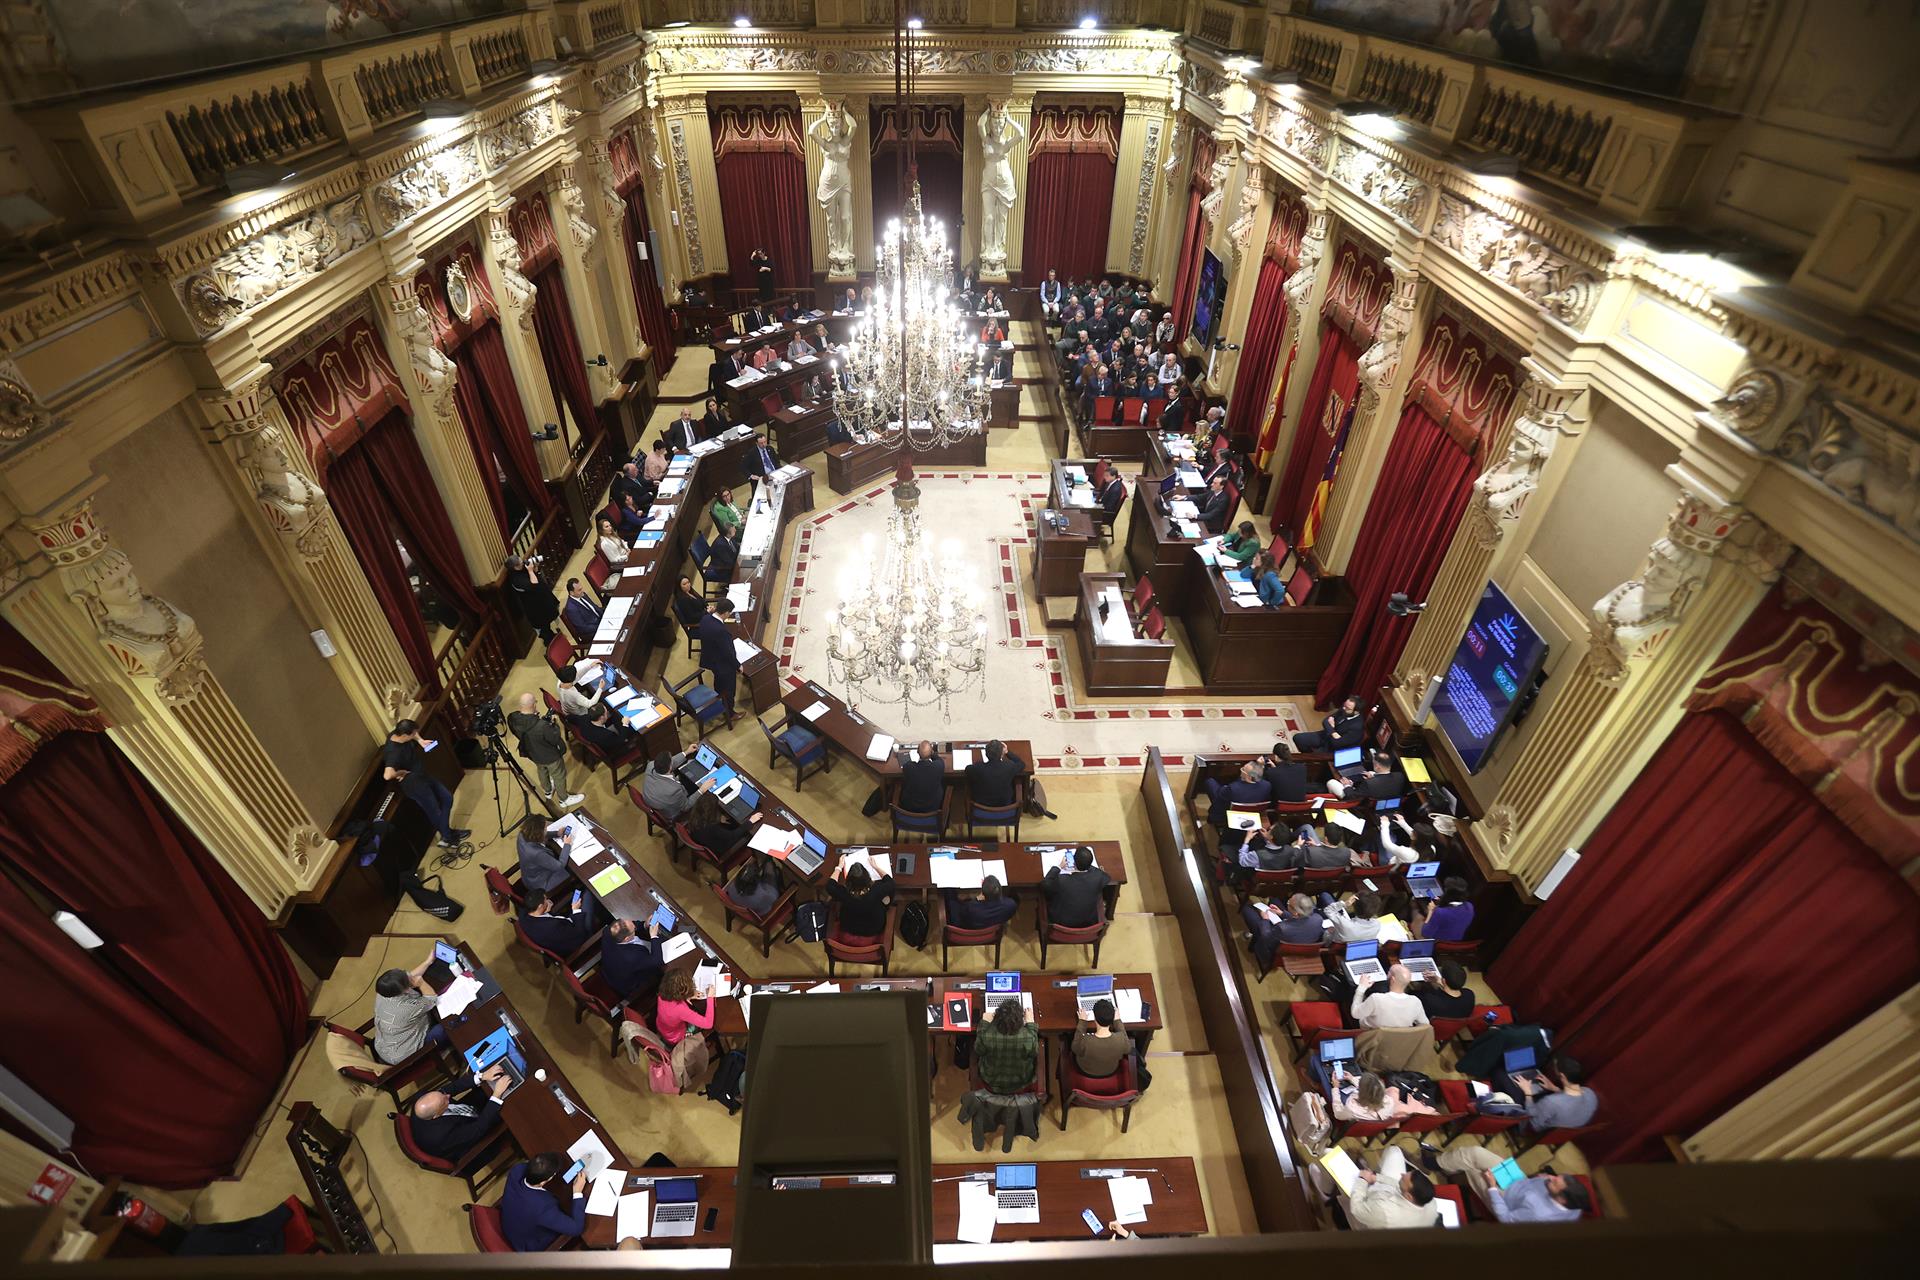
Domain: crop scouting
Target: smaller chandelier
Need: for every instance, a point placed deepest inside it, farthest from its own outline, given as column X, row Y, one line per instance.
column 909, row 629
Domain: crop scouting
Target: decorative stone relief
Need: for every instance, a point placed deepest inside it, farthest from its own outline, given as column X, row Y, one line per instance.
column 1251, row 189
column 1143, row 201
column 652, row 165
column 1631, row 621
column 294, row 505
column 426, row 182
column 683, row 183
column 21, row 413
column 1299, row 285
column 433, row 372
column 522, row 132
column 605, row 185
column 271, row 263
column 1750, row 403
column 574, row 201
column 1384, row 183
column 1530, row 266
column 517, row 292
column 1296, row 133
column 1500, row 492
column 679, row 59
column 620, row 81
column 1866, row 460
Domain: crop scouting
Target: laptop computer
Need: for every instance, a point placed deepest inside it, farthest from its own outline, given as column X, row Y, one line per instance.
column 1001, row 987
column 1092, row 989
column 676, row 1203
column 1386, row 804
column 498, row 1049
column 1423, row 879
column 741, row 804
column 1347, row 761
column 1363, row 963
column 1521, row 1063
column 811, row 853
column 1417, row 955
column 1015, row 1192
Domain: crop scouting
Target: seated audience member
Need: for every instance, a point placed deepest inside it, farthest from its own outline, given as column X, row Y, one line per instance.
column 1050, row 295
column 1247, row 788
column 1341, row 729
column 1368, row 1097
column 1446, row 918
column 837, row 432
column 993, row 783
column 1213, row 505
column 653, row 468
column 1286, row 776
column 603, row 729
column 1007, row 1050
column 541, row 869
column 613, row 547
column 581, row 613
column 1556, row 1098
column 561, row 921
column 630, row 958
column 1268, row 847
column 863, row 901
column 755, row 888
column 664, row 792
column 800, row 348
column 727, row 515
column 991, row 908
column 1163, row 332
column 1100, row 1041
column 532, row 1216
column 715, row 828
column 1075, row 899
column 1240, row 546
column 764, row 356
column 762, row 459
column 1354, row 917
column 1266, row 582
column 450, row 1122
column 689, row 606
column 1168, row 374
column 1393, row 1007
column 1113, row 496
column 1545, row 1197
column 1074, row 338
column 578, row 694
column 1298, row 924
column 1404, row 842
column 849, row 304
column 675, row 1015
column 1396, row 1196
column 923, row 781
column 712, row 422
column 1322, row 851
column 629, row 488
column 403, row 1014
column 1448, row 996
column 1379, row 781
column 723, row 557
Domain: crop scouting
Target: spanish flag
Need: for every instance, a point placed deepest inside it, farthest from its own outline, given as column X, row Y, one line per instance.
column 1270, row 433
column 1310, row 527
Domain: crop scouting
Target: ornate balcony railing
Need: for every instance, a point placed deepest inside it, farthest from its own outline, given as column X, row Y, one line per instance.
column 255, row 125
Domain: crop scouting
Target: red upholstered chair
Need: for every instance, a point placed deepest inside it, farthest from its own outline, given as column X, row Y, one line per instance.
column 298, row 1236
column 655, row 822
column 1363, row 1130
column 1267, row 884
column 1466, row 951
column 478, row 1161
column 1502, row 1017
column 596, row 573
column 1458, row 1099
column 1117, row 1092
column 1318, row 880
column 1132, row 409
column 1154, row 625
column 559, row 653
column 849, row 948
column 771, row 403
column 1593, row 1195
column 1232, row 491
column 1103, row 407
column 722, row 861
column 952, row 935
column 1311, row 1021
column 1455, row 1196
column 388, row 1079
column 769, row 924
column 1302, row 959
column 553, row 703
column 1142, row 593
column 1427, row 1124
column 1299, row 586
column 484, row 1221
column 1060, row 935
column 1279, row 549
column 503, row 893
column 1100, row 470
column 1447, row 1030
column 552, row 959
column 592, row 995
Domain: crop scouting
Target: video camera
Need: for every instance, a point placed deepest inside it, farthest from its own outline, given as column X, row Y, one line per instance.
column 487, row 718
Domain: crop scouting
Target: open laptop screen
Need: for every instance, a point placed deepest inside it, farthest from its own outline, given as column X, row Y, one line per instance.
column 1520, row 1059
column 1340, row 1050
column 1346, row 757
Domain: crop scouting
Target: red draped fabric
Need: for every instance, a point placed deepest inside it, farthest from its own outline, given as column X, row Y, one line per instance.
column 1193, row 239
column 1336, row 374
column 1711, row 936
column 1259, row 350
column 560, row 350
column 1071, row 158
column 654, row 324
column 166, row 1045
column 496, row 425
column 762, row 173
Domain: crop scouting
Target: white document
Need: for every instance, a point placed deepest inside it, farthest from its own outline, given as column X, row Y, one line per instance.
column 605, row 1192
column 1131, row 1196
column 621, row 697
column 1343, row 818
column 675, row 946
column 824, row 989
column 633, row 1218
column 459, row 994
column 956, row 873
column 588, row 1147
column 741, row 593
column 995, row 867
column 713, row 979
column 880, row 747
column 1448, row 1211
column 1207, row 553
column 601, row 650
column 770, row 839
column 1182, row 510
column 978, row 1209
column 1126, row 1004
column 743, row 651
column 962, row 757
column 815, row 711
column 672, row 485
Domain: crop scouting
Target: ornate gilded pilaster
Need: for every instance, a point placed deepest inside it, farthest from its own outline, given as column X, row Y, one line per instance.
column 696, row 187
column 583, row 248
column 1143, row 145
column 1651, row 638
column 1305, row 289
column 82, row 604
column 247, row 429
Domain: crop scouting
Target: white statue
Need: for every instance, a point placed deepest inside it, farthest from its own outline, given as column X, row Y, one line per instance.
column 999, row 135
column 143, row 631
column 833, row 134
column 294, row 504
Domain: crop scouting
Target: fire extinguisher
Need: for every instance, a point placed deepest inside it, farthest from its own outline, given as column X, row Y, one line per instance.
column 143, row 1219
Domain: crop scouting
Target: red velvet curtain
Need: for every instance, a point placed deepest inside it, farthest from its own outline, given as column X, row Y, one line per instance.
column 1191, row 243
column 496, row 425
column 654, row 324
column 165, row 1046
column 560, row 350
column 1069, row 201
column 362, row 506
column 766, row 200
column 1418, row 501
column 1259, row 350
column 1712, row 936
column 1336, row 374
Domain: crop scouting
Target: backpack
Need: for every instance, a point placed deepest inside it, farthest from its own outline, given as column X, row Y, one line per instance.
column 1312, row 1124
column 915, row 924
column 434, row 901
column 810, row 921
column 729, row 1084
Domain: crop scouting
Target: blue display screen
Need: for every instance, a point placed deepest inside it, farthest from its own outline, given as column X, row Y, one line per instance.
column 1491, row 671
column 1208, row 293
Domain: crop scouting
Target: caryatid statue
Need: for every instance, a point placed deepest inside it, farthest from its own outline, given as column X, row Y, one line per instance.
column 833, row 134
column 999, row 135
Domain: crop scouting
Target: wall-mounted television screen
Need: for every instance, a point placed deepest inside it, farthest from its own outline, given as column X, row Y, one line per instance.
column 1491, row 673
column 1209, row 294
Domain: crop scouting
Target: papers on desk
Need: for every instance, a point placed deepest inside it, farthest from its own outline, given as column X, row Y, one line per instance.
column 1116, row 627
column 950, row 872
column 604, row 1193
column 589, row 1148
column 612, row 618
column 1131, row 1196
column 1080, row 496
column 585, row 843
column 881, row 746
column 815, row 711
column 1190, row 478
column 877, row 866
column 1341, row 1168
column 1415, row 769
column 978, row 1210
column 828, row 988
column 748, row 376
column 632, row 1219
column 774, row 841
column 1181, row 509
column 644, row 712
column 791, row 471
column 622, row 696
column 680, row 466
column 1189, row 529
column 1127, row 1005
column 1449, row 1211
column 460, row 993
column 962, row 757
column 1343, row 818
column 609, row 880
column 672, row 485
column 675, row 946
column 712, row 979
column 741, row 593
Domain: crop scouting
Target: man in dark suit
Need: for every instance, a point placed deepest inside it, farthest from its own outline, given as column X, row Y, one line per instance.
column 716, row 649
column 723, row 554
column 630, row 487
column 630, row 959
column 1312, row 855
column 1379, row 781
column 837, row 432
column 562, row 921
column 1075, row 899
column 1113, row 496
column 1177, row 411
column 1341, row 729
column 581, row 613
column 685, row 432
column 1099, row 324
column 1286, row 776
column 1249, row 788
column 448, row 1124
column 532, row 1214
column 761, row 460
column 1299, row 924
column 991, row 909
column 991, row 782
column 1213, row 507
column 758, row 318
column 923, row 781
column 604, row 731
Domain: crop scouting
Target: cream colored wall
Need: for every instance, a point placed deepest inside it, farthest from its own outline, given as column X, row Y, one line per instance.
column 1612, row 504
column 167, row 506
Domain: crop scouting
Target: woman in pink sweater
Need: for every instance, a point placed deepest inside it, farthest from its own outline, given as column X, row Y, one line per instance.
column 674, row 1014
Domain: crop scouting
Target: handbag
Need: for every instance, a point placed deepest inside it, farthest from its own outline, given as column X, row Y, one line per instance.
column 432, row 900
column 660, row 1074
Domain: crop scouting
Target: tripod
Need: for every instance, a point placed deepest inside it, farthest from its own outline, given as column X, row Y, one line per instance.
column 499, row 755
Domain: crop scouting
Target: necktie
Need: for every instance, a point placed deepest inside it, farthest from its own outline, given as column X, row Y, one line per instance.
column 459, row 1109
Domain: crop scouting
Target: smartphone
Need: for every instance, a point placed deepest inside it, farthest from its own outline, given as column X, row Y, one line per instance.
column 1093, row 1222
column 573, row 1171
column 711, row 1220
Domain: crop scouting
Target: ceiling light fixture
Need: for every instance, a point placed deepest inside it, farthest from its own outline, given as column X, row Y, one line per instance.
column 743, row 22
column 1089, row 24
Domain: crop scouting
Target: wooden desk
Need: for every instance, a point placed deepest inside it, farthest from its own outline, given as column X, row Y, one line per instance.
column 1060, row 554
column 1064, row 491
column 800, row 430
column 1261, row 650
column 839, row 325
column 852, row 733
column 1125, row 440
column 852, row 465
column 777, row 817
column 1133, row 665
column 760, row 673
column 1156, row 550
column 1003, row 405
column 759, row 572
column 1056, row 1006
column 636, row 899
column 745, row 400
column 1027, row 862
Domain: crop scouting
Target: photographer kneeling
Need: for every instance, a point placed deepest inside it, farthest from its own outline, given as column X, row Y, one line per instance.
column 544, row 742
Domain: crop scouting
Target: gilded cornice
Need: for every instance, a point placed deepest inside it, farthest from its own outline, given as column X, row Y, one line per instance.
column 61, row 299
column 870, row 53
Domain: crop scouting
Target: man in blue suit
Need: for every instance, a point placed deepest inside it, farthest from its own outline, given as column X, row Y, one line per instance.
column 581, row 613
column 763, row 461
column 716, row 649
column 530, row 1214
column 630, row 959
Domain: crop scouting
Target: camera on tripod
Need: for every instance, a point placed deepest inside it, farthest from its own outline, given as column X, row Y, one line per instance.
column 487, row 718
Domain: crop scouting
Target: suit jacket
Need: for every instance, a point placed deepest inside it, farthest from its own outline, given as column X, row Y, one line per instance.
column 625, row 486
column 723, row 554
column 837, row 432
column 1344, row 731
column 684, row 433
column 611, row 743
column 1322, row 857
column 563, row 934
column 758, row 319
column 1380, row 786
column 1075, row 899
column 629, row 967
column 712, row 424
column 1289, row 782
column 1213, row 510
column 923, row 785
column 531, row 1217
column 716, row 646
column 451, row 1136
column 754, row 464
column 1113, row 497
column 991, row 782
column 581, row 614
column 978, row 913
column 1175, row 418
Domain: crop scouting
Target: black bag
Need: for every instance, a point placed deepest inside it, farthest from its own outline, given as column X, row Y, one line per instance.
column 875, row 802
column 430, row 897
column 915, row 925
column 810, row 921
column 729, row 1084
column 1416, row 1084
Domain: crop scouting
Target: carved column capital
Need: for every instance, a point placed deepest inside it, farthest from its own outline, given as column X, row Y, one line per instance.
column 573, row 203
column 1252, row 187
column 1500, row 493
column 430, row 371
column 1381, row 360
column 246, row 424
column 21, row 412
column 1631, row 621
column 516, row 290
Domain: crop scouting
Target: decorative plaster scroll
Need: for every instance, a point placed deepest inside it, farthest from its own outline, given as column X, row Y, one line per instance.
column 1143, row 200
column 271, row 263
column 680, row 59
column 426, row 182
column 518, row 290
column 1386, row 184
column 652, row 165
column 620, row 81
column 21, row 413
column 1296, row 133
column 1170, row 171
column 1866, row 460
column 1512, row 256
column 1631, row 621
column 683, row 183
column 1251, row 189
column 1749, row 406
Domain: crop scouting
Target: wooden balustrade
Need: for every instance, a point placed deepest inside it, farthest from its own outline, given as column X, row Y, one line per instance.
column 476, row 677
column 1541, row 129
column 396, row 86
column 249, row 127
column 606, row 24
column 1316, row 57
column 500, row 54
column 1407, row 87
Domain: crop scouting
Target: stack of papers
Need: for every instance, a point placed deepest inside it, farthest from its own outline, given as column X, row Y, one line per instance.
column 612, row 619
column 774, row 841
column 880, row 747
column 585, row 843
column 1127, row 1005
column 1343, row 818
column 589, row 1148
column 675, row 946
column 609, row 880
column 1181, row 509
column 962, row 757
column 743, row 650
column 815, row 711
column 1131, row 1196
column 632, row 1219
column 741, row 593
column 978, row 1210
column 459, row 994
column 644, row 711
column 1190, row 478
column 604, row 1193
